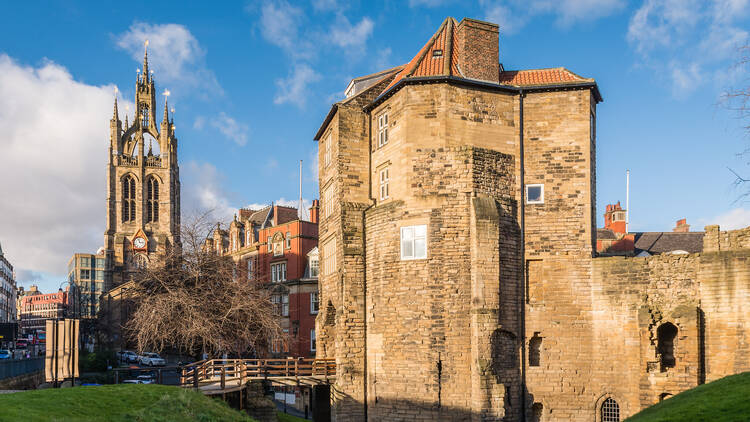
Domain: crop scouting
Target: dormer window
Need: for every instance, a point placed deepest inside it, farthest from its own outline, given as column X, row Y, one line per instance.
column 437, row 53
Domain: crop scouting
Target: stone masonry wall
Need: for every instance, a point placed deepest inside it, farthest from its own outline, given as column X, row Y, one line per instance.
column 600, row 336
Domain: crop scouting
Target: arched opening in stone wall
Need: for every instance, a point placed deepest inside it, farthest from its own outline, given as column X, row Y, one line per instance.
column 664, row 396
column 536, row 412
column 535, row 350
column 665, row 335
column 610, row 411
column 504, row 351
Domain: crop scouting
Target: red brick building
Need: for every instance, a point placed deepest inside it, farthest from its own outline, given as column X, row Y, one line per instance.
column 36, row 309
column 615, row 239
column 273, row 245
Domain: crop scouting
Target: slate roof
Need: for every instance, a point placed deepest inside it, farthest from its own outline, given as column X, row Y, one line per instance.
column 662, row 242
column 605, row 234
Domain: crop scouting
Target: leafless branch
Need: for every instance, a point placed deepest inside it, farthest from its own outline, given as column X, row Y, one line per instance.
column 193, row 300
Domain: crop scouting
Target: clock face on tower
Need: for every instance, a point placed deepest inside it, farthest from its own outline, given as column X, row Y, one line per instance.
column 139, row 243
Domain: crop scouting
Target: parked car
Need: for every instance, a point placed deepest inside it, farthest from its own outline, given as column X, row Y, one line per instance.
column 146, row 379
column 6, row 354
column 152, row 359
column 129, row 357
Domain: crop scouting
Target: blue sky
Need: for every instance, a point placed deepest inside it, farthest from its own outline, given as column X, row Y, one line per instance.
column 252, row 81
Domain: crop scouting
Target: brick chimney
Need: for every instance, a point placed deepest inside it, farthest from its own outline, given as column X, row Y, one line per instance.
column 314, row 210
column 478, row 49
column 682, row 226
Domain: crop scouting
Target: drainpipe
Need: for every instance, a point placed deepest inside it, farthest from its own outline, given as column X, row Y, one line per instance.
column 522, row 281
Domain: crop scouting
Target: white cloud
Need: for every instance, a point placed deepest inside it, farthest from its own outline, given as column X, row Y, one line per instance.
column 52, row 157
column 202, row 191
column 294, row 88
column 285, row 25
column 737, row 218
column 280, row 23
column 690, row 40
column 346, row 35
column 231, row 128
column 174, row 54
column 512, row 15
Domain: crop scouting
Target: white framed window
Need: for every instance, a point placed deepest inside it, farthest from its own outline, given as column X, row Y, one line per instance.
column 312, row 339
column 414, row 242
column 314, row 266
column 278, row 246
column 329, row 257
column 535, row 194
column 278, row 272
column 382, row 129
column 384, row 184
column 328, row 201
column 314, row 302
column 327, row 147
column 269, row 242
column 285, row 305
column 288, row 240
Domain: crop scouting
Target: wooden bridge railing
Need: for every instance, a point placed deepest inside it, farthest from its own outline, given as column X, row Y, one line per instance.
column 222, row 370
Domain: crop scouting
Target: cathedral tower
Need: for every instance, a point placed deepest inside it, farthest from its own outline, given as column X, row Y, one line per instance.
column 143, row 181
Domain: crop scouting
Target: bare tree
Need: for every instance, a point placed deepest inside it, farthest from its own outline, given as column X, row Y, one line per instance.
column 738, row 100
column 193, row 300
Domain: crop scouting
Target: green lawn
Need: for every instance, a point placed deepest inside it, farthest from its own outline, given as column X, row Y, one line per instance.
column 115, row 403
column 724, row 400
column 283, row 417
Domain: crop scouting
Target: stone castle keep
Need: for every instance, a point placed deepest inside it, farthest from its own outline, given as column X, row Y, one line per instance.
column 458, row 246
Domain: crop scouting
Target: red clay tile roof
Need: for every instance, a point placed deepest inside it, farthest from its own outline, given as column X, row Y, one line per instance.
column 535, row 77
column 425, row 63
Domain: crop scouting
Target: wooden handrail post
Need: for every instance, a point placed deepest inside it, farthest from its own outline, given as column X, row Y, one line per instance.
column 223, row 376
column 195, row 377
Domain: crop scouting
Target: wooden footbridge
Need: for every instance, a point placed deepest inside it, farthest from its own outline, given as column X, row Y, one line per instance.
column 222, row 376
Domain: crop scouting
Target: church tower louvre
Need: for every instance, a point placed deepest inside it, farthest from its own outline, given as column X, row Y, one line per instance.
column 143, row 184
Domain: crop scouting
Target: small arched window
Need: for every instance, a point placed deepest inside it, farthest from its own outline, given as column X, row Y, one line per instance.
column 128, row 199
column 610, row 411
column 152, row 202
column 666, row 334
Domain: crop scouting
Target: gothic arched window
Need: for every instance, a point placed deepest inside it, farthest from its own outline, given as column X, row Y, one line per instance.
column 144, row 115
column 128, row 199
column 152, row 201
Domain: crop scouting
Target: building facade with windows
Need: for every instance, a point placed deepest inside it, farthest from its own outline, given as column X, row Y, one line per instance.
column 276, row 247
column 88, row 280
column 7, row 290
column 37, row 307
column 459, row 276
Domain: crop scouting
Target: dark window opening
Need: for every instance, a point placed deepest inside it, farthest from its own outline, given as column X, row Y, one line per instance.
column 128, row 199
column 535, row 347
column 437, row 53
column 536, row 412
column 152, row 202
column 666, row 334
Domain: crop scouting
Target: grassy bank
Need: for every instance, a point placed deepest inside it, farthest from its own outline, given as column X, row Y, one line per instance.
column 116, row 403
column 723, row 400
